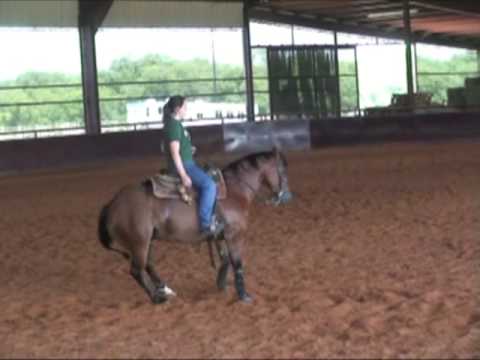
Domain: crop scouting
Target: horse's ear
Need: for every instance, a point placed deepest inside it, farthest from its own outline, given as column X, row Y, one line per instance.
column 276, row 150
column 278, row 155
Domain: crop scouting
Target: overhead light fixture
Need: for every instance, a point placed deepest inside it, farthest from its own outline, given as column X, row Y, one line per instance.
column 390, row 14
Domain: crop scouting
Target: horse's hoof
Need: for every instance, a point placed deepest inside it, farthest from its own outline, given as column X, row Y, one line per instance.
column 222, row 278
column 159, row 299
column 246, row 299
column 168, row 292
column 222, row 284
column 162, row 294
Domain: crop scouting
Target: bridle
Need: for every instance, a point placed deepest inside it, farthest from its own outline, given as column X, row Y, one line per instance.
column 283, row 195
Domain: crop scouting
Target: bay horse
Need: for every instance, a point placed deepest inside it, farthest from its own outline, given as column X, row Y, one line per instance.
column 134, row 218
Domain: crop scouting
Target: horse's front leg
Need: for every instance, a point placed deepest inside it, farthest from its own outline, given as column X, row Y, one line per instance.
column 234, row 250
column 159, row 283
column 223, row 271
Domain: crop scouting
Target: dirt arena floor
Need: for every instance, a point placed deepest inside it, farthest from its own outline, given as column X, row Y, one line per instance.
column 378, row 256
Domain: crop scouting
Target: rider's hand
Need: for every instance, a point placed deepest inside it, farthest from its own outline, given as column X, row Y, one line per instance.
column 186, row 181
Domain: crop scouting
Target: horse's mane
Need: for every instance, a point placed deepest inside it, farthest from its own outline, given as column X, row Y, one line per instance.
column 252, row 161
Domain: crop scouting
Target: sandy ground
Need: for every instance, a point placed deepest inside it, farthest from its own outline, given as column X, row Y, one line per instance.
column 378, row 256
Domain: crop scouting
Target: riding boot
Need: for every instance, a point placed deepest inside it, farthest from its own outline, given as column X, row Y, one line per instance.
column 214, row 230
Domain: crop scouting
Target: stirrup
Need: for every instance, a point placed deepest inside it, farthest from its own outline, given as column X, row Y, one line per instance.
column 217, row 225
column 215, row 229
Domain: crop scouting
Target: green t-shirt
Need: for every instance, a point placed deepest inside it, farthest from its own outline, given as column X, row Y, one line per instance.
column 174, row 130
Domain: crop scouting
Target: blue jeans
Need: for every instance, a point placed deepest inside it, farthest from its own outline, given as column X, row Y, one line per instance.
column 207, row 189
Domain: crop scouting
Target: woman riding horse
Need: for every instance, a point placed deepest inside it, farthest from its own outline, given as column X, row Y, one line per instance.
column 134, row 218
column 181, row 163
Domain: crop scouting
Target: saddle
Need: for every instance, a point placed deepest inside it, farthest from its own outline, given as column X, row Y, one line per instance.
column 168, row 186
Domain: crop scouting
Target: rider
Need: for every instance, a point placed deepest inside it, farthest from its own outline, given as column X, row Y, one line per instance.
column 179, row 151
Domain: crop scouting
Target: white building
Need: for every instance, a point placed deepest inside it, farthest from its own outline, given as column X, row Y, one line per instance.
column 150, row 110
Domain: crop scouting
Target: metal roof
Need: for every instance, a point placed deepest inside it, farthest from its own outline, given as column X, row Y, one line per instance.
column 443, row 22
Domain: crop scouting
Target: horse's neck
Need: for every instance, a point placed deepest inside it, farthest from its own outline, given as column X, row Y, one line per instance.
column 246, row 184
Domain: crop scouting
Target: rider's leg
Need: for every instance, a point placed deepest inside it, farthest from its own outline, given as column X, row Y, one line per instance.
column 207, row 192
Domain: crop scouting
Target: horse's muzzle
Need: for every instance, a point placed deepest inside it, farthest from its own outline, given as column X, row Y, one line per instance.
column 282, row 197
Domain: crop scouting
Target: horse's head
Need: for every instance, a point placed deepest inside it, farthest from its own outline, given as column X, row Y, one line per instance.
column 265, row 168
column 275, row 174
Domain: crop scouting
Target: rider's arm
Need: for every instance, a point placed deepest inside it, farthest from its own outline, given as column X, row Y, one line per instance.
column 175, row 151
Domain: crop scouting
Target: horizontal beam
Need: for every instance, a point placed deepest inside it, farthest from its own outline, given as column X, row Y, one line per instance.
column 315, row 22
column 423, row 14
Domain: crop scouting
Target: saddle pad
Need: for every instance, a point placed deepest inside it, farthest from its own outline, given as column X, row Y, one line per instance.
column 167, row 186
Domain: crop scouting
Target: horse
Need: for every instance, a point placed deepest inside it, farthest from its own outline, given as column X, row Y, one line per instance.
column 134, row 218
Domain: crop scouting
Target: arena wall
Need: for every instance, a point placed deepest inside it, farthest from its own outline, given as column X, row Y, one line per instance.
column 46, row 153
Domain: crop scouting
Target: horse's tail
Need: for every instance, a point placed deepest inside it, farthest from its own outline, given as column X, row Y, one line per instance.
column 103, row 233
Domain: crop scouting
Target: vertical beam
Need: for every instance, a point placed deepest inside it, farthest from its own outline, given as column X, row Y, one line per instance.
column 214, row 62
column 292, row 34
column 89, row 80
column 270, row 77
column 338, row 109
column 93, row 12
column 90, row 17
column 415, row 57
column 357, row 82
column 478, row 61
column 408, row 47
column 247, row 53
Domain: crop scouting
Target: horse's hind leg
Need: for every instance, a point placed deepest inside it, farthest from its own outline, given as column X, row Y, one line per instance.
column 151, row 269
column 140, row 273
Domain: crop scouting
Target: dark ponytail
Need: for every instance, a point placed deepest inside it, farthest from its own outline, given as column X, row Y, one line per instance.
column 173, row 103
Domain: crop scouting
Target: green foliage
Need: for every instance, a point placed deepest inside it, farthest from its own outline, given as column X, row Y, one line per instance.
column 260, row 81
column 438, row 83
column 43, row 114
column 113, row 91
column 458, row 63
column 348, row 93
column 152, row 68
